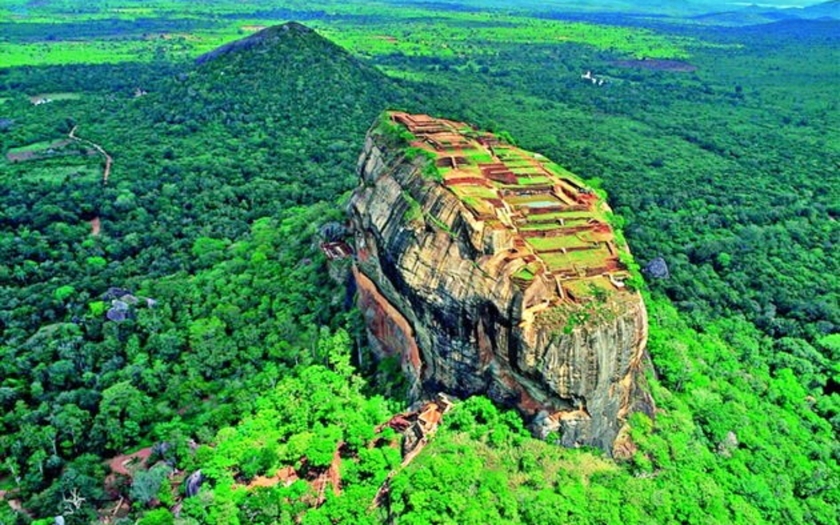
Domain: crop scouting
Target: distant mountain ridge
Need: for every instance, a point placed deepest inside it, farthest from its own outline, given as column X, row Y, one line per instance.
column 830, row 9
column 684, row 8
column 763, row 14
column 711, row 12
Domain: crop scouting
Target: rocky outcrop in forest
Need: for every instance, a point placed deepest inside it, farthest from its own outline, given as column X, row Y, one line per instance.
column 490, row 270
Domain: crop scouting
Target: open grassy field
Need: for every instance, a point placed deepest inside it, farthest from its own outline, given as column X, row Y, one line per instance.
column 54, row 172
column 37, row 146
column 52, row 33
column 36, row 150
column 455, row 34
column 54, row 97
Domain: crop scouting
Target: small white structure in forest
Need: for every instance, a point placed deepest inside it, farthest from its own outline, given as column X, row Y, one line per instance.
column 593, row 79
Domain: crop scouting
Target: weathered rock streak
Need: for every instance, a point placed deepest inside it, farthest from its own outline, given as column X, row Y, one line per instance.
column 509, row 286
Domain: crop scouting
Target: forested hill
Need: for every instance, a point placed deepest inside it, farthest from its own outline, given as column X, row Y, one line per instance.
column 201, row 215
column 278, row 89
column 288, row 76
column 204, row 153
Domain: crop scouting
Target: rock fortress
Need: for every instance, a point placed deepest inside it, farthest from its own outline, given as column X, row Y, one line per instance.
column 491, row 270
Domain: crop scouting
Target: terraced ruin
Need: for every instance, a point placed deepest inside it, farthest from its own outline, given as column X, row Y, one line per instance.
column 490, row 270
column 553, row 224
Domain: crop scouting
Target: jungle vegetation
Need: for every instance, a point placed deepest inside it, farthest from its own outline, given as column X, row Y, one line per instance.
column 185, row 308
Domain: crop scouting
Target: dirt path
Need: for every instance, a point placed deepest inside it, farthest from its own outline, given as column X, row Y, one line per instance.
column 95, row 223
column 108, row 160
column 285, row 475
column 120, row 464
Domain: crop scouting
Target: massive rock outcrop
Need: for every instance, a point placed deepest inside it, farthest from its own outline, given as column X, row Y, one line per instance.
column 490, row 270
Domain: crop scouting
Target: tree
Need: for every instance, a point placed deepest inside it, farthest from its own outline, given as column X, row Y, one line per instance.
column 123, row 412
column 147, row 484
column 157, row 517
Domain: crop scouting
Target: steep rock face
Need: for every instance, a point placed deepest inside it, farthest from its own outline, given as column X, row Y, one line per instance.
column 485, row 283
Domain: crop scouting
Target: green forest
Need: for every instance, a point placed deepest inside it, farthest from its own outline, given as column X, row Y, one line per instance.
column 175, row 347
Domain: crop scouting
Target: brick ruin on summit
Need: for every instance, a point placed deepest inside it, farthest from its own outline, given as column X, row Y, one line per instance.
column 559, row 227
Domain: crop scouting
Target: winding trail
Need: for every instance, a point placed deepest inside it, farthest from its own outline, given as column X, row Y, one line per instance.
column 95, row 223
column 108, row 159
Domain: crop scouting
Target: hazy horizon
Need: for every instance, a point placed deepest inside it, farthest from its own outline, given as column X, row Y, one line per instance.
column 780, row 4
column 695, row 6
column 771, row 3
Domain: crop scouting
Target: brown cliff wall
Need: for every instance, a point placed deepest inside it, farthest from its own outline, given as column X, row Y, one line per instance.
column 387, row 329
column 434, row 285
